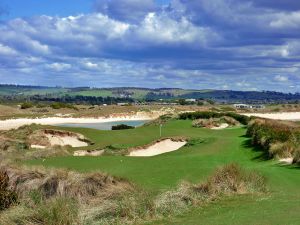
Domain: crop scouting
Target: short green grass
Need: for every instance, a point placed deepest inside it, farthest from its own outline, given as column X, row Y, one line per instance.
column 195, row 163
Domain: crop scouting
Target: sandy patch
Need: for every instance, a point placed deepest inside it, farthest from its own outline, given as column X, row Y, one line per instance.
column 38, row 146
column 277, row 116
column 88, row 153
column 65, row 140
column 158, row 148
column 287, row 160
column 41, row 139
column 222, row 126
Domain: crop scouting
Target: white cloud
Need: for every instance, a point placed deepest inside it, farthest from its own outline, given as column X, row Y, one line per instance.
column 7, row 51
column 286, row 21
column 162, row 29
column 59, row 66
column 281, row 78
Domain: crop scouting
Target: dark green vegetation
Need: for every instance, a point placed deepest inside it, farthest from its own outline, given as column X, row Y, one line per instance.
column 86, row 95
column 208, row 115
column 194, row 163
column 60, row 105
column 277, row 138
column 27, row 105
column 122, row 127
column 7, row 196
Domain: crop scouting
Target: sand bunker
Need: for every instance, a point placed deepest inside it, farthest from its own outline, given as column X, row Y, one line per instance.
column 277, row 116
column 287, row 160
column 64, row 141
column 47, row 138
column 222, row 126
column 158, row 148
column 38, row 146
column 88, row 153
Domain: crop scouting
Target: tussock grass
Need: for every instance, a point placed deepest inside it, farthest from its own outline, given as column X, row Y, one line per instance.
column 279, row 139
column 100, row 199
column 215, row 122
column 7, row 196
column 228, row 180
column 56, row 211
column 63, row 183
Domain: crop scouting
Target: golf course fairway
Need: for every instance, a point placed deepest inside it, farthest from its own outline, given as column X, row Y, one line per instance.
column 194, row 163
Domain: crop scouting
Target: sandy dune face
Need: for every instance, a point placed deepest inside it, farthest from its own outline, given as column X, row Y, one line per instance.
column 295, row 116
column 158, row 148
column 65, row 140
column 47, row 138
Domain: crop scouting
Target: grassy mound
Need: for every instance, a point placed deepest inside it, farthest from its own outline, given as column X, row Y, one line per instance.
column 16, row 143
column 215, row 122
column 228, row 180
column 209, row 115
column 63, row 197
column 279, row 139
column 55, row 196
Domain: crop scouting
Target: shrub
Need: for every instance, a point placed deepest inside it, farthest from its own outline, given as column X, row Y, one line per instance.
column 233, row 179
column 227, row 180
column 277, row 138
column 26, row 105
column 122, row 127
column 60, row 105
column 208, row 115
column 59, row 211
column 7, row 197
column 296, row 156
column 207, row 123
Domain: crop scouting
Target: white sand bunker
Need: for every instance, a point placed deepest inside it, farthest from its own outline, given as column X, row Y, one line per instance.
column 38, row 146
column 158, row 148
column 286, row 160
column 47, row 138
column 277, row 116
column 222, row 126
column 65, row 140
column 88, row 153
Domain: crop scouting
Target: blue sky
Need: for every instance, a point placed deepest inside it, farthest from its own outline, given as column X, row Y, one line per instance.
column 220, row 44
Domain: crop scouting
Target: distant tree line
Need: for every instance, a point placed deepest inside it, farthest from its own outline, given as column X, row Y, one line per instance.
column 78, row 99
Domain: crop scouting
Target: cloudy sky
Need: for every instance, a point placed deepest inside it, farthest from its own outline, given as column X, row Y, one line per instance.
column 219, row 44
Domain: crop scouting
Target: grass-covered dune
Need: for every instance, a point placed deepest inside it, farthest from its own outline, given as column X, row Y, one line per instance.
column 194, row 163
column 279, row 139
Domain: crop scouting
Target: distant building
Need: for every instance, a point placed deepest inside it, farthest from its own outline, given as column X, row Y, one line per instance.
column 246, row 106
column 190, row 100
column 122, row 104
column 242, row 106
column 258, row 107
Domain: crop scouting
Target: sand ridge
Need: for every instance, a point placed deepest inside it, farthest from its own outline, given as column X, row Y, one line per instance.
column 16, row 123
column 295, row 116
